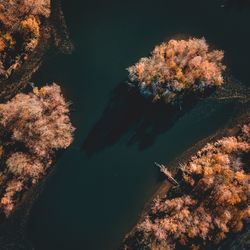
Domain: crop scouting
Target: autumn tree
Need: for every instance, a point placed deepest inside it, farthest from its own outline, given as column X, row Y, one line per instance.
column 21, row 23
column 36, row 125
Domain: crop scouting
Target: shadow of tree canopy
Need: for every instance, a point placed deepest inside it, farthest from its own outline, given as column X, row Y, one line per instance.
column 128, row 112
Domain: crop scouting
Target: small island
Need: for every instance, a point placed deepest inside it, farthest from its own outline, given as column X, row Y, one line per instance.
column 177, row 68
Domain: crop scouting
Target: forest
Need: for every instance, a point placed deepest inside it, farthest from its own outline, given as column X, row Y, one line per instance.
column 210, row 202
column 34, row 124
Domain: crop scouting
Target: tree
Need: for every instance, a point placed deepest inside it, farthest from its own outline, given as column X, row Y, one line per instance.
column 36, row 125
column 21, row 23
column 39, row 120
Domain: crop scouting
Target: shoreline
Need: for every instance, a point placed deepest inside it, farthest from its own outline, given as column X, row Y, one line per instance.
column 240, row 117
column 54, row 36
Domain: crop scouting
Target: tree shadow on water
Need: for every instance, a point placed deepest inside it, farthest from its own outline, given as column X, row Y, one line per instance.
column 129, row 113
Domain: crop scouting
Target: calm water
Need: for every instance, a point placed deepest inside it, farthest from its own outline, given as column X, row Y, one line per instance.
column 104, row 179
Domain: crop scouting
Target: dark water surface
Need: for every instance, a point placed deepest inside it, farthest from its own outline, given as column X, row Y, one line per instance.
column 104, row 179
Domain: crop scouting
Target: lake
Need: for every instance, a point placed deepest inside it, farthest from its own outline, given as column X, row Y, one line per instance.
column 105, row 178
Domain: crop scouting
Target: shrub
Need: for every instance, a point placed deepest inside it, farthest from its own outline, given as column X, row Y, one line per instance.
column 7, row 201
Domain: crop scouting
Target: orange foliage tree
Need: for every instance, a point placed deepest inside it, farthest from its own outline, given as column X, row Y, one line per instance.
column 36, row 125
column 22, row 19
